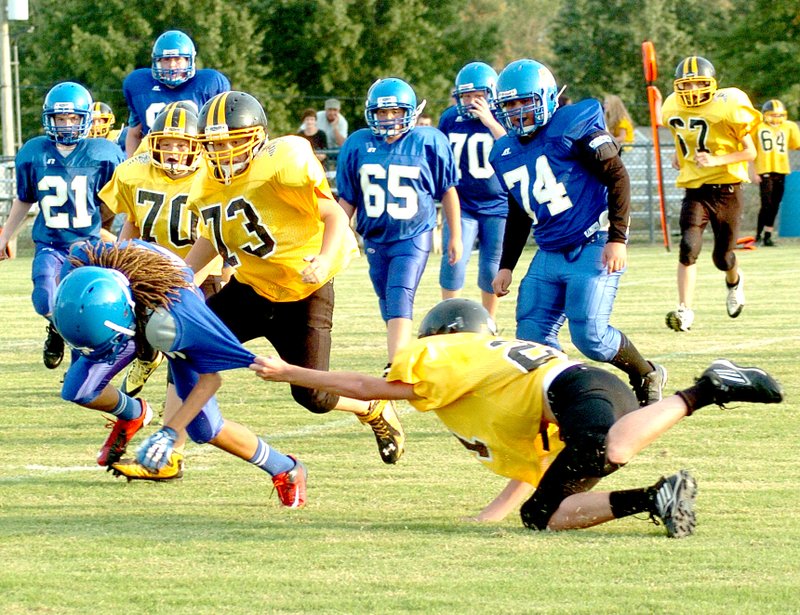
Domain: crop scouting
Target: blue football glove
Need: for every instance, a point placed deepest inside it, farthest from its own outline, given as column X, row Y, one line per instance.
column 154, row 452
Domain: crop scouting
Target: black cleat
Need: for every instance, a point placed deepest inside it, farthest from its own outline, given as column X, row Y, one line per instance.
column 734, row 383
column 674, row 504
column 53, row 348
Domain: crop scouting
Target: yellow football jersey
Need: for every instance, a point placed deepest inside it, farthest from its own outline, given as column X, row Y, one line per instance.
column 773, row 144
column 267, row 220
column 490, row 393
column 154, row 202
column 716, row 127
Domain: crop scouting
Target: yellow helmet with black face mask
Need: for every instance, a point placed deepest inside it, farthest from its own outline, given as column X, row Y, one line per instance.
column 173, row 142
column 102, row 120
column 774, row 112
column 695, row 81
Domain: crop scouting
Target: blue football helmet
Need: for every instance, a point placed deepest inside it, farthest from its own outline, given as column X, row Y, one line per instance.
column 457, row 315
column 93, row 310
column 475, row 77
column 173, row 44
column 67, row 97
column 388, row 94
column 526, row 79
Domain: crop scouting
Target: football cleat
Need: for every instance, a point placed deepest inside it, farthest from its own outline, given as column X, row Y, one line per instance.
column 680, row 319
column 768, row 242
column 122, row 432
column 291, row 485
column 133, row 470
column 53, row 348
column 138, row 373
column 382, row 418
column 674, row 504
column 651, row 386
column 734, row 383
column 735, row 301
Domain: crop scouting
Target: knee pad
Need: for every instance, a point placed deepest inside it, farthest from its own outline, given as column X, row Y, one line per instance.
column 724, row 261
column 313, row 400
column 689, row 249
column 42, row 301
column 202, row 430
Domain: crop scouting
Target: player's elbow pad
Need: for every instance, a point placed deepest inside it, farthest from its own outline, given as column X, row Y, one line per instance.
column 599, row 146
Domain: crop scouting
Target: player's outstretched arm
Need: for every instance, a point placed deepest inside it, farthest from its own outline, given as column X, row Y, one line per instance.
column 507, row 501
column 19, row 209
column 346, row 384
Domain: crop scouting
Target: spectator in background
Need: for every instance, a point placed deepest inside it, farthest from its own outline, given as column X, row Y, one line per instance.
column 774, row 137
column 424, row 119
column 311, row 131
column 332, row 123
column 618, row 121
column 172, row 77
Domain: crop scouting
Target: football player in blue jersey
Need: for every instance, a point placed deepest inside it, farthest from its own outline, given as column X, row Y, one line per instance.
column 64, row 172
column 391, row 175
column 115, row 296
column 565, row 178
column 172, row 77
column 472, row 129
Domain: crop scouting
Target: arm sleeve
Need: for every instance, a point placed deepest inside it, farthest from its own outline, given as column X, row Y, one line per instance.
column 518, row 227
column 605, row 164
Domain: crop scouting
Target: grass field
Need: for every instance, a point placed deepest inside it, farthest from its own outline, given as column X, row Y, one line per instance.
column 381, row 539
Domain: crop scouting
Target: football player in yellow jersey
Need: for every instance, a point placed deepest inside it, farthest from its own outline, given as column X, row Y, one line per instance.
column 500, row 397
column 151, row 189
column 774, row 137
column 266, row 207
column 713, row 145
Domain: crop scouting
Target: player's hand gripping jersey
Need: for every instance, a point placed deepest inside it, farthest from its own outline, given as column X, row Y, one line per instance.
column 65, row 187
column 266, row 221
column 495, row 405
column 547, row 176
column 716, row 127
column 394, row 186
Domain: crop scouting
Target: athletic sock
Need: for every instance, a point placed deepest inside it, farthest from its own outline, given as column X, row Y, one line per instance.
column 631, row 501
column 698, row 396
column 127, row 407
column 270, row 460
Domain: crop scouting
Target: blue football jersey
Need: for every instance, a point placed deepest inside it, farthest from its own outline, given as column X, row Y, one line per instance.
column 66, row 187
column 146, row 97
column 194, row 336
column 545, row 175
column 479, row 189
column 394, row 187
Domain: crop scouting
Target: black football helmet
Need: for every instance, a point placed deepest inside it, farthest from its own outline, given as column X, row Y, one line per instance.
column 695, row 81
column 233, row 129
column 176, row 122
column 457, row 316
column 774, row 112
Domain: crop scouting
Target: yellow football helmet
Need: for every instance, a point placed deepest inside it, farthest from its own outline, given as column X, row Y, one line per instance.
column 774, row 112
column 233, row 129
column 172, row 141
column 102, row 120
column 695, row 81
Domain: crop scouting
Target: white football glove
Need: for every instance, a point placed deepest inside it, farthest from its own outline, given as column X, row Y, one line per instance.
column 154, row 452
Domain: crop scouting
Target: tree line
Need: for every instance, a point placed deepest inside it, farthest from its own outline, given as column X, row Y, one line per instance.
column 293, row 54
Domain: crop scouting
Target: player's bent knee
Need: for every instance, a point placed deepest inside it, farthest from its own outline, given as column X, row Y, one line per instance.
column 41, row 301
column 313, row 400
column 202, row 431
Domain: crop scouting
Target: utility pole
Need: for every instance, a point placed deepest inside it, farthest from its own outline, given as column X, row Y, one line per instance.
column 6, row 88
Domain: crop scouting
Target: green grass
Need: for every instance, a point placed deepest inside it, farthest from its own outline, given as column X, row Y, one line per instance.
column 380, row 539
